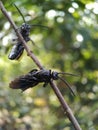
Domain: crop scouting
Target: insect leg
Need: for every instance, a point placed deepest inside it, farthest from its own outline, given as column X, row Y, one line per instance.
column 15, row 39
column 45, row 84
column 33, row 42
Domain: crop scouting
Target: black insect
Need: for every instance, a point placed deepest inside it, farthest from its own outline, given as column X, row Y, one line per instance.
column 18, row 48
column 35, row 77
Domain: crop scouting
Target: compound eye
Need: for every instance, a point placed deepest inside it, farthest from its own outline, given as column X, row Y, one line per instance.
column 54, row 75
column 23, row 26
column 28, row 27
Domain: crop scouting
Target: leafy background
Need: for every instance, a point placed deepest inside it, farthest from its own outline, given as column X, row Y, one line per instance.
column 69, row 45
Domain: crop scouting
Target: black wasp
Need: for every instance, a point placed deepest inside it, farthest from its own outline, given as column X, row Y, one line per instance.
column 34, row 77
column 18, row 48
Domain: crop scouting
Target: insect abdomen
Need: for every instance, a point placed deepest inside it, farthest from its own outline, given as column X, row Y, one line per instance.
column 16, row 51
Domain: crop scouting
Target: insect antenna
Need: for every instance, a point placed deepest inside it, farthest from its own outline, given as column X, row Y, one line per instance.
column 68, row 74
column 19, row 12
column 67, row 84
column 38, row 25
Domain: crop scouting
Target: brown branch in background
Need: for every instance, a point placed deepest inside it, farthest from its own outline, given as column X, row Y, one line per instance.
column 66, row 108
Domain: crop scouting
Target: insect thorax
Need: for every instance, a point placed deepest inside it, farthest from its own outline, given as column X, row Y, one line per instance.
column 46, row 75
column 25, row 29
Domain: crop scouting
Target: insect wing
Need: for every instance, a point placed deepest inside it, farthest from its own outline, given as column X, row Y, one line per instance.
column 23, row 82
column 67, row 84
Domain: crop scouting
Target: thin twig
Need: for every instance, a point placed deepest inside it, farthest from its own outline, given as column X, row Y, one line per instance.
column 66, row 108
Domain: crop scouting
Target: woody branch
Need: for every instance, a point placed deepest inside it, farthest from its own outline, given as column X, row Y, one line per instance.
column 30, row 53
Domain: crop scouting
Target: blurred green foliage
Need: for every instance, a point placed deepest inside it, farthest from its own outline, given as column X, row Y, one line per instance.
column 69, row 45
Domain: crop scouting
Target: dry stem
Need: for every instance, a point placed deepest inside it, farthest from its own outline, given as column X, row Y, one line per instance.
column 66, row 108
